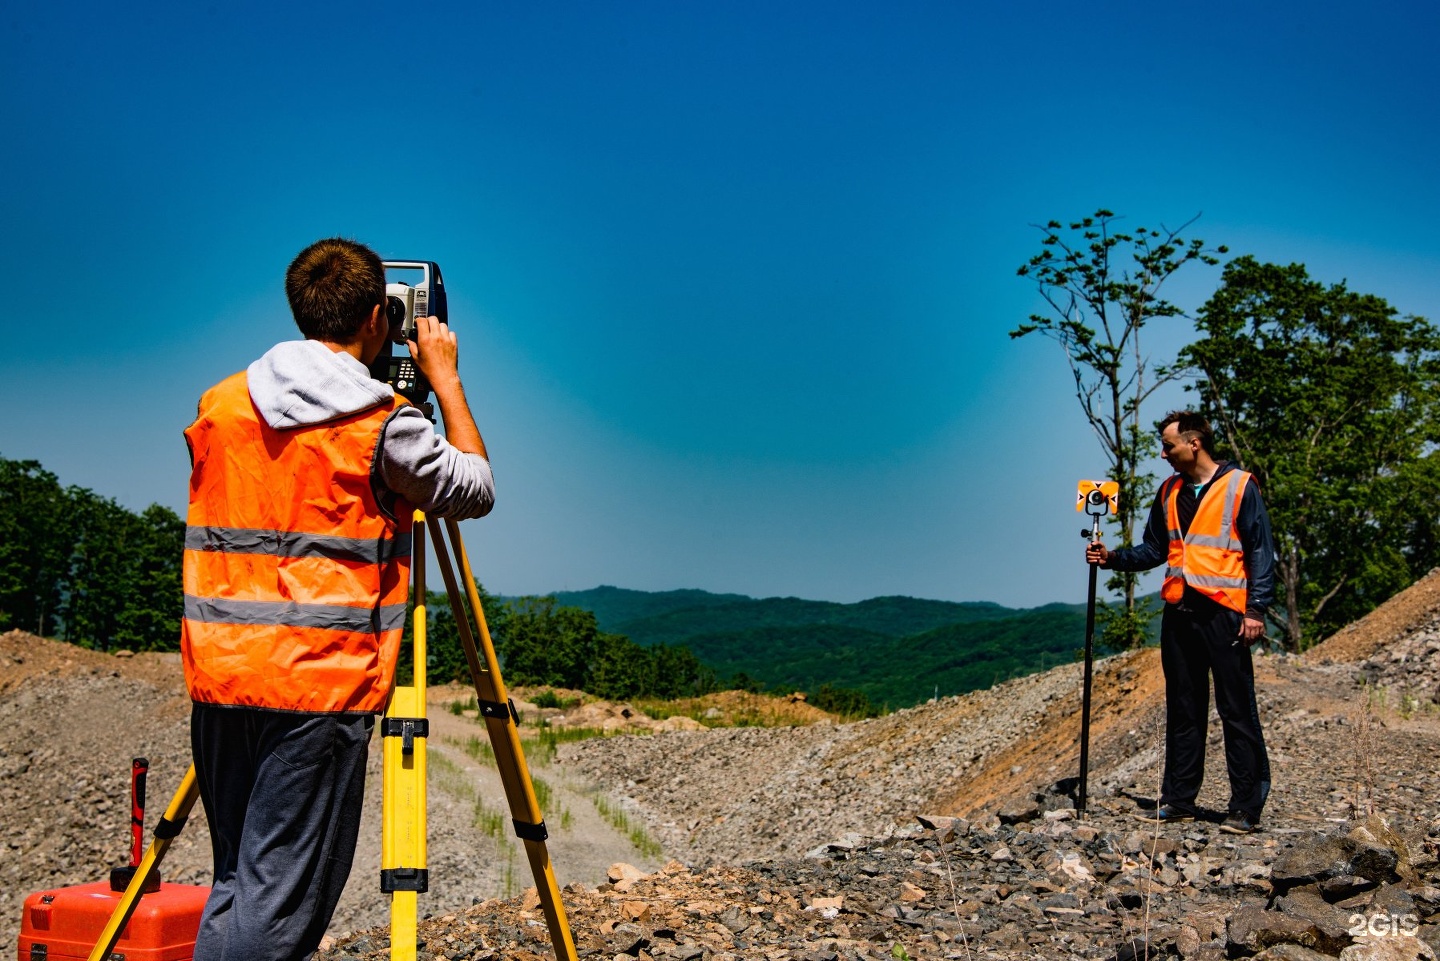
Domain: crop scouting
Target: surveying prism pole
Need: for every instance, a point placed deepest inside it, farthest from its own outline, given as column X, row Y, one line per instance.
column 1095, row 498
column 404, row 732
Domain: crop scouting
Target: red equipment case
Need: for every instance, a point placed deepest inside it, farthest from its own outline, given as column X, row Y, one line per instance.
column 65, row 923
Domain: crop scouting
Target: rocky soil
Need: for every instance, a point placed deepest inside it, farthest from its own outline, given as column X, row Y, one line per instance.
column 71, row 720
column 945, row 831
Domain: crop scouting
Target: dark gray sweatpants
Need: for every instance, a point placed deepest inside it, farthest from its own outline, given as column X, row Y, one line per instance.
column 1194, row 647
column 283, row 794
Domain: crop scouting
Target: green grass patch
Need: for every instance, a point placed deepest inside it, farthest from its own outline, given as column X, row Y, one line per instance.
column 458, row 708
column 509, row 878
column 448, row 777
column 617, row 819
column 476, row 747
column 548, row 698
column 491, row 822
column 543, row 794
column 540, row 749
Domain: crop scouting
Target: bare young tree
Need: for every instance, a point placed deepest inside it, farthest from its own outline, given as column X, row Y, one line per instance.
column 1103, row 286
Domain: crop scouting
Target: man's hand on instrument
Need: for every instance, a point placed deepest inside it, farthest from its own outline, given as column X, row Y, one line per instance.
column 1095, row 553
column 436, row 351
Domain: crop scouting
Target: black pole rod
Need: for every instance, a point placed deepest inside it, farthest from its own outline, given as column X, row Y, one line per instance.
column 1085, row 701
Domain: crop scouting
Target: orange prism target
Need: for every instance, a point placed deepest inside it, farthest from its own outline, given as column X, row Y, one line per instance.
column 1095, row 493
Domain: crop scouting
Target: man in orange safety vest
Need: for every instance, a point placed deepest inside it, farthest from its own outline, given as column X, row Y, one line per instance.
column 1210, row 529
column 305, row 475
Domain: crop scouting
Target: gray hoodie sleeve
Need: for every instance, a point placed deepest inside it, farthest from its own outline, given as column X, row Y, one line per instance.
column 422, row 467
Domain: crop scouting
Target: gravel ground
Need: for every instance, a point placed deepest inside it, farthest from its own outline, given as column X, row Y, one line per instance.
column 71, row 720
column 762, row 830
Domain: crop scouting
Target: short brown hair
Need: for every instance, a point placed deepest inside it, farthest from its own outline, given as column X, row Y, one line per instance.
column 1190, row 424
column 332, row 285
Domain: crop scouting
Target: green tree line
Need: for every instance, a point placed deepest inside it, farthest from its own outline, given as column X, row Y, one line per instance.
column 540, row 642
column 80, row 567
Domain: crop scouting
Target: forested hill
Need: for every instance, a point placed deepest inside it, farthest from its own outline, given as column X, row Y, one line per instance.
column 898, row 651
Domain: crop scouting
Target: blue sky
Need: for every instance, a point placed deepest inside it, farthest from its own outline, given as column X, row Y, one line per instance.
column 732, row 281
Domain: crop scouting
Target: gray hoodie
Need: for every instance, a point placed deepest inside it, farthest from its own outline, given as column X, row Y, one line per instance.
column 301, row 383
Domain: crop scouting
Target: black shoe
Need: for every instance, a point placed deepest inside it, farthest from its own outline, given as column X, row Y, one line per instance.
column 1239, row 823
column 1165, row 814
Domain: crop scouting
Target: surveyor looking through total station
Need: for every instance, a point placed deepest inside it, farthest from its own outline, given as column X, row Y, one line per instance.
column 1209, row 526
column 305, row 475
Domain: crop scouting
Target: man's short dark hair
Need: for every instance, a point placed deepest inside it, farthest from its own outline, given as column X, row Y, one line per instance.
column 1190, row 424
column 332, row 286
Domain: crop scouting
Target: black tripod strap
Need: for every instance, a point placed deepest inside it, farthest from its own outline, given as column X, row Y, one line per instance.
column 500, row 710
column 166, row 829
column 526, row 831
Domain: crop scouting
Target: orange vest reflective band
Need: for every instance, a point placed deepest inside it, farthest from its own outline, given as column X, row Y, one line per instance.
column 1209, row 556
column 295, row 577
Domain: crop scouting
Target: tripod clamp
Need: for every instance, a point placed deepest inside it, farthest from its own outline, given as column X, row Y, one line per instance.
column 405, row 728
column 500, row 710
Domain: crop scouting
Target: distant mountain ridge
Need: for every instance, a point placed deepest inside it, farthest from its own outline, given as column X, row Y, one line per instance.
column 898, row 650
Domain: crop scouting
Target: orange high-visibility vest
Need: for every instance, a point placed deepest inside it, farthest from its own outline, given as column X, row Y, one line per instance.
column 295, row 577
column 1209, row 556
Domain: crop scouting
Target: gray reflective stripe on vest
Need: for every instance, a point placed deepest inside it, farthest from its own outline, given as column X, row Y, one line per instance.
column 330, row 617
column 1198, row 580
column 245, row 540
column 1227, row 514
column 1208, row 540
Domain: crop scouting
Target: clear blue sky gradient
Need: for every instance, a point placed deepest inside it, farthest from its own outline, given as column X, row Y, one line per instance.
column 732, row 281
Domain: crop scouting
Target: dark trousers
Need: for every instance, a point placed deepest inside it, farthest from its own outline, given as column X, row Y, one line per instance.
column 283, row 794
column 1194, row 645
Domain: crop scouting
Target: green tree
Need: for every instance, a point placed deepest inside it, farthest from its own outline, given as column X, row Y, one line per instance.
column 36, row 540
column 740, row 681
column 847, row 702
column 122, row 586
column 621, row 669
column 445, row 659
column 679, row 673
column 545, row 643
column 1332, row 400
column 1102, row 287
column 149, row 618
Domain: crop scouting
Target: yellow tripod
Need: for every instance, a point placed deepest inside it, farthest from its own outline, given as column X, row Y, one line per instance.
column 404, row 730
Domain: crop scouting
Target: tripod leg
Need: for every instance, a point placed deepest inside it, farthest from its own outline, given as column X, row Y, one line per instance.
column 404, row 730
column 502, row 724
column 165, row 832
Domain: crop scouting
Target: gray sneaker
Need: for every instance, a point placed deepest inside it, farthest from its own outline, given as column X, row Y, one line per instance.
column 1165, row 814
column 1239, row 823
